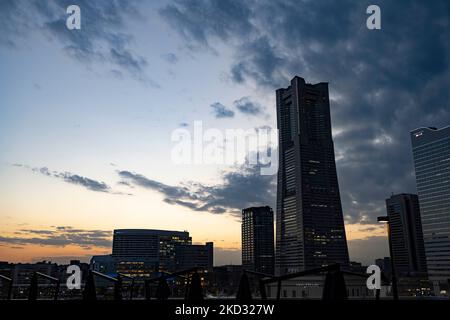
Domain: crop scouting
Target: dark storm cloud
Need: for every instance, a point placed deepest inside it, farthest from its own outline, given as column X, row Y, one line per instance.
column 13, row 23
column 125, row 59
column 248, row 107
column 239, row 189
column 102, row 37
column 90, row 184
column 220, row 111
column 60, row 236
column 383, row 83
column 198, row 20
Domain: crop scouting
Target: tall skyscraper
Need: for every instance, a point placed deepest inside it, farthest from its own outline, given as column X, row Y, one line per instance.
column 310, row 224
column 431, row 151
column 408, row 252
column 258, row 240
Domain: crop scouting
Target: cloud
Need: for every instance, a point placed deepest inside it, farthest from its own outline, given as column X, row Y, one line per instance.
column 220, row 111
column 239, row 189
column 198, row 20
column 88, row 183
column 382, row 83
column 103, row 37
column 60, row 236
column 246, row 106
column 12, row 23
column 170, row 57
column 126, row 60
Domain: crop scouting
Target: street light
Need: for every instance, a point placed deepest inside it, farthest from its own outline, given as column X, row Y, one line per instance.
column 385, row 219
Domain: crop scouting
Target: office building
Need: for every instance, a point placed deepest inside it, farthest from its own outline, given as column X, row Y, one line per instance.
column 104, row 264
column 309, row 222
column 23, row 272
column 408, row 252
column 385, row 266
column 141, row 251
column 258, row 240
column 431, row 152
column 195, row 256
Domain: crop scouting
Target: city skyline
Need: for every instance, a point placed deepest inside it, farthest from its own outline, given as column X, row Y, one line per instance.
column 86, row 116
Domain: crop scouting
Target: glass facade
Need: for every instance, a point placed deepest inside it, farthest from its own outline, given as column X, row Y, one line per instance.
column 310, row 226
column 406, row 235
column 431, row 151
column 149, row 250
column 258, row 240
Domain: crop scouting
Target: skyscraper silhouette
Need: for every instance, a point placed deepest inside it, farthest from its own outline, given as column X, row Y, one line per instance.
column 257, row 239
column 408, row 251
column 309, row 223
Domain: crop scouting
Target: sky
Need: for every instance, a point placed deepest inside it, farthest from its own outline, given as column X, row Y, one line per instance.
column 87, row 116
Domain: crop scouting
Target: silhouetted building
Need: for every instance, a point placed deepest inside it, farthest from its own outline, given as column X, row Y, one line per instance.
column 6, row 269
column 357, row 267
column 431, row 150
column 24, row 271
column 104, row 264
column 141, row 251
column 311, row 287
column 385, row 266
column 195, row 256
column 258, row 240
column 408, row 252
column 310, row 225
column 224, row 280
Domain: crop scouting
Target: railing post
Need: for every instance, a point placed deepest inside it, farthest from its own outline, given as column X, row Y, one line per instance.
column 279, row 290
column 10, row 290
column 10, row 285
column 262, row 290
column 244, row 292
column 33, row 289
column 89, row 293
column 195, row 293
column 147, row 290
column 131, row 288
column 118, row 288
column 58, row 284
column 162, row 290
